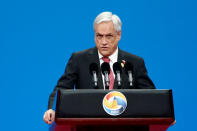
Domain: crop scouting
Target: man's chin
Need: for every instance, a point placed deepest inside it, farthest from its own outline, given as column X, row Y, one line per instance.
column 105, row 53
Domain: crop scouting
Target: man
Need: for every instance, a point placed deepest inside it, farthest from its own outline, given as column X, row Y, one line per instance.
column 107, row 29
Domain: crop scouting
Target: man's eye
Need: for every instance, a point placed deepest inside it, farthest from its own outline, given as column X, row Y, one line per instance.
column 99, row 36
column 109, row 36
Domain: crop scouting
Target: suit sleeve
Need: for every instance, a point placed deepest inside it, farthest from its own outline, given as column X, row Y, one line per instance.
column 67, row 81
column 142, row 79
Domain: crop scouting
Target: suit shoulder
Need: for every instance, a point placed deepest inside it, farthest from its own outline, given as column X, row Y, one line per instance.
column 84, row 52
column 130, row 55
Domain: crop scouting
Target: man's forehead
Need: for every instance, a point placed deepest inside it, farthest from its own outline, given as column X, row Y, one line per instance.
column 99, row 33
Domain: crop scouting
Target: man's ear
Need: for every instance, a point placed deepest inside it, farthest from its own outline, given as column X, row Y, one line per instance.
column 119, row 35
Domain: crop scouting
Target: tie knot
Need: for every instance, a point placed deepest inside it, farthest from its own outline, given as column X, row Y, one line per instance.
column 106, row 59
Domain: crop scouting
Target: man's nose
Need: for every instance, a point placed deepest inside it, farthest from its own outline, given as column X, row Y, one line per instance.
column 104, row 40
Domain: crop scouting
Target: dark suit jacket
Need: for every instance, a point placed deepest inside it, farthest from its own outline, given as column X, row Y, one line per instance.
column 77, row 73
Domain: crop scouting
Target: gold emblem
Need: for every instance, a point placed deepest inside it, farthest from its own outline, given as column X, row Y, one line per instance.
column 123, row 63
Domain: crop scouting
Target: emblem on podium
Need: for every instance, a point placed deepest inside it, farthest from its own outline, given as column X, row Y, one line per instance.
column 114, row 103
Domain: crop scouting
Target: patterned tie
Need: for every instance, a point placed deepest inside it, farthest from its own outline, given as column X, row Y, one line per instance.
column 111, row 76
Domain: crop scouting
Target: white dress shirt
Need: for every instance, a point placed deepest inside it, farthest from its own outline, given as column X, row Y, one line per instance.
column 113, row 58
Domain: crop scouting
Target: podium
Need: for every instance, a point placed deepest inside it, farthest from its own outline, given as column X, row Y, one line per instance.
column 83, row 110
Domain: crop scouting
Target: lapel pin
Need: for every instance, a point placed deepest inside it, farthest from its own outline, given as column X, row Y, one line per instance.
column 123, row 63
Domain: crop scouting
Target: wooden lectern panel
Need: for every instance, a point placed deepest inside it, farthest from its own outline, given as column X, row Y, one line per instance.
column 114, row 124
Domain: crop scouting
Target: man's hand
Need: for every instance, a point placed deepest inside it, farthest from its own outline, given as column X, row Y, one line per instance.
column 173, row 123
column 49, row 116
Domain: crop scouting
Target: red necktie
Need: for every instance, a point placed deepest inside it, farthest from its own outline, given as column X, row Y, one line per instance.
column 111, row 76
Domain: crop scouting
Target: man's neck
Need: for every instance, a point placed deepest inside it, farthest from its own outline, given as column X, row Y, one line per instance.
column 113, row 57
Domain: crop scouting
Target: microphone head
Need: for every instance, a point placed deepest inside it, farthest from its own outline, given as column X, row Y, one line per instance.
column 93, row 67
column 105, row 67
column 117, row 67
column 128, row 67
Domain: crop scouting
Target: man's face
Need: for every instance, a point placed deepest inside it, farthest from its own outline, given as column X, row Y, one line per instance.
column 106, row 38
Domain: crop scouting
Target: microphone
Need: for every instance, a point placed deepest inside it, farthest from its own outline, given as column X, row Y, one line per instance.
column 94, row 71
column 117, row 71
column 129, row 69
column 105, row 68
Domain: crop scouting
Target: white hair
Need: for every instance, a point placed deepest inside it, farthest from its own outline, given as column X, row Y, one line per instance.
column 106, row 17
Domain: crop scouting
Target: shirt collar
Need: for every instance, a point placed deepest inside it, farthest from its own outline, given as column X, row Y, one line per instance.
column 113, row 57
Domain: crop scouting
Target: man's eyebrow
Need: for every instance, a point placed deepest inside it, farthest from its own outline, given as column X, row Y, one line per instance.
column 98, row 34
column 109, row 34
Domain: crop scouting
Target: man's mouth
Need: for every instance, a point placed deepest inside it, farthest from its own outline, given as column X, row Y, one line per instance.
column 104, row 48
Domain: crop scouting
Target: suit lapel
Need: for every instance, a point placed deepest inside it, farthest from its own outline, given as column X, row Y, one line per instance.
column 120, row 58
column 93, row 57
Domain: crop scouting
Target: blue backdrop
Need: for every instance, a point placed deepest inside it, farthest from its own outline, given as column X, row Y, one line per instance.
column 37, row 38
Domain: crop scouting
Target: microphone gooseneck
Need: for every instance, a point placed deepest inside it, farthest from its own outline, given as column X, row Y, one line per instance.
column 129, row 69
column 93, row 68
column 105, row 68
column 117, row 70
